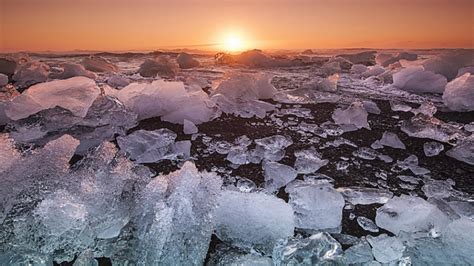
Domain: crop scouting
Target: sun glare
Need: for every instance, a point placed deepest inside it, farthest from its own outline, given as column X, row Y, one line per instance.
column 233, row 43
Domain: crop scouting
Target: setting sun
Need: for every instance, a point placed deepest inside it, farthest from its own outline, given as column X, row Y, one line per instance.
column 233, row 43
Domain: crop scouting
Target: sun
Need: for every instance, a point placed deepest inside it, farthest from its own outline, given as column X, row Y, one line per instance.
column 233, row 43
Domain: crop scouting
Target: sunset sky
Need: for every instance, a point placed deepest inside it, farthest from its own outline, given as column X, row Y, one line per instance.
column 118, row 25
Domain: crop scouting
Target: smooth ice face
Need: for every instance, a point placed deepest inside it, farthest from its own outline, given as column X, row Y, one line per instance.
column 448, row 63
column 75, row 94
column 418, row 80
column 309, row 161
column 359, row 253
column 225, row 255
column 71, row 70
column 169, row 100
column 459, row 93
column 98, row 64
column 189, row 127
column 152, row 146
column 391, row 139
column 422, row 126
column 459, row 238
column 410, row 214
column 162, row 66
column 8, row 154
column 365, row 196
column 277, row 175
column 371, row 107
column 463, row 152
column 318, row 249
column 354, row 115
column 386, row 249
column 272, row 148
column 253, row 220
column 316, row 206
column 432, row 148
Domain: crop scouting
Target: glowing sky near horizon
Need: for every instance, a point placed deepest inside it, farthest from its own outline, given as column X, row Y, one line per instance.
column 117, row 25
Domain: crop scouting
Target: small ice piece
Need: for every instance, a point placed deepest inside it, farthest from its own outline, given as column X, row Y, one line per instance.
column 238, row 155
column 399, row 107
column 365, row 196
column 98, row 64
column 426, row 108
column 277, row 175
column 469, row 127
column 391, row 139
column 409, row 179
column 272, row 148
column 438, row 188
column 463, row 151
column 432, row 148
column 411, row 162
column 354, row 115
column 309, row 161
column 71, row 70
column 386, row 249
column 459, row 93
column 365, row 153
column 410, row 214
column 246, row 185
column 318, row 249
column 459, row 238
column 8, row 154
column 371, row 107
column 3, row 80
column 317, row 206
column 186, row 61
column 189, row 127
column 75, row 94
column 416, row 79
column 359, row 253
column 31, row 73
column 367, row 224
column 253, row 220
column 225, row 255
column 422, row 126
column 149, row 146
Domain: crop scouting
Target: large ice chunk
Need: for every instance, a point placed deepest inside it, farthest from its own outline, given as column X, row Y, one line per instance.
column 75, row 94
column 354, row 115
column 186, row 61
column 386, row 249
column 423, row 126
column 253, row 220
column 162, row 66
column 71, row 70
column 448, row 63
column 316, row 206
column 464, row 151
column 31, row 73
column 418, row 80
column 277, row 175
column 387, row 59
column 410, row 214
column 170, row 100
column 459, row 238
column 98, row 64
column 459, row 93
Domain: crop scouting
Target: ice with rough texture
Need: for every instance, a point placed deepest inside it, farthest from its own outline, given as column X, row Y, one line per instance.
column 272, row 148
column 75, row 94
column 367, row 224
column 309, row 161
column 464, row 151
column 224, row 256
column 240, row 94
column 432, row 148
column 448, row 63
column 277, row 175
column 153, row 146
column 399, row 107
column 459, row 93
column 386, row 249
column 170, row 100
column 387, row 59
column 71, row 70
column 426, row 108
column 318, row 249
column 365, row 196
column 316, row 206
column 31, row 73
column 162, row 66
column 418, row 80
column 8, row 154
column 459, row 238
column 410, row 214
column 98, row 64
column 354, row 115
column 326, row 84
column 186, row 61
column 253, row 220
column 411, row 162
column 423, row 126
column 189, row 127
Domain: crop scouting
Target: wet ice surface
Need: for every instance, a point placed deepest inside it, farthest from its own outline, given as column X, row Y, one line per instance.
column 172, row 158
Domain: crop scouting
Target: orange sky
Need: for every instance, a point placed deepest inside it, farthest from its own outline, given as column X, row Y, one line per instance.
column 59, row 25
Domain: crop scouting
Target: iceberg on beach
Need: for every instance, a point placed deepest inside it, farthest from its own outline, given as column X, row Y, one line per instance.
column 459, row 93
column 418, row 80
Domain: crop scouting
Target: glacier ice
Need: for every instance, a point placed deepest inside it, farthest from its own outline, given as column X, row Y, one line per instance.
column 98, row 64
column 189, row 127
column 309, row 161
column 432, row 148
column 277, row 175
column 423, row 126
column 371, row 107
column 459, row 93
column 253, row 220
column 388, row 59
column 418, row 80
column 163, row 66
column 272, row 148
column 361, row 252
column 354, row 115
column 365, row 196
column 225, row 255
column 75, row 94
column 186, row 61
column 386, row 249
column 316, row 206
column 71, row 70
column 318, row 249
column 367, row 224
column 30, row 74
column 448, row 63
column 463, row 151
column 410, row 214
